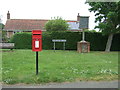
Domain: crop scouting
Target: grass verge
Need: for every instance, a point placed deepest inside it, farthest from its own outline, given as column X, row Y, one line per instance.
column 18, row 66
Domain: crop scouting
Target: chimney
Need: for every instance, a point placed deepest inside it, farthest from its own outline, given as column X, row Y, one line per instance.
column 78, row 17
column 8, row 15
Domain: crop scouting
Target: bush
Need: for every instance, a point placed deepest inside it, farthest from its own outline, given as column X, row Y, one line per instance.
column 116, row 43
column 71, row 37
column 97, row 40
column 46, row 40
column 22, row 40
column 57, row 24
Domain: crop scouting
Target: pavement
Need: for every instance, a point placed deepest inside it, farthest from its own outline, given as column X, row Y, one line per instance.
column 80, row 84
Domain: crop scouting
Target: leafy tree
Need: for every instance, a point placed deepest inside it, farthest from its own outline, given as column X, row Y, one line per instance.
column 56, row 24
column 108, row 16
column 4, row 36
column 1, row 26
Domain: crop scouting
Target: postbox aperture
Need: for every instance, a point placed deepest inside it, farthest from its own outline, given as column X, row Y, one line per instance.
column 36, row 40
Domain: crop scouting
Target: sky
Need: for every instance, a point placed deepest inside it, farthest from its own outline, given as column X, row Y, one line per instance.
column 45, row 9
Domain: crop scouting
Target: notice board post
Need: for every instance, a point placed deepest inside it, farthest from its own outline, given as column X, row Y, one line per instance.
column 83, row 46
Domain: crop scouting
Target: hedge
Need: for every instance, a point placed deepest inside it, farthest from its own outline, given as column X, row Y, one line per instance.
column 22, row 40
column 97, row 40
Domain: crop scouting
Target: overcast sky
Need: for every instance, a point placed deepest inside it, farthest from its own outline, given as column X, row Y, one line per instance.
column 45, row 9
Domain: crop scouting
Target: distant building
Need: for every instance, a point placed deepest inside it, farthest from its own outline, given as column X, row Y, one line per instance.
column 27, row 25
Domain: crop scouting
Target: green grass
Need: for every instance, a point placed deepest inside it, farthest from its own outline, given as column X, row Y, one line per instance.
column 18, row 66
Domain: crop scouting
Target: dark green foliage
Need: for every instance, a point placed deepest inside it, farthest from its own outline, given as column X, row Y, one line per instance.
column 22, row 40
column 116, row 43
column 107, row 14
column 46, row 40
column 72, row 39
column 56, row 24
column 1, row 26
column 4, row 36
column 97, row 40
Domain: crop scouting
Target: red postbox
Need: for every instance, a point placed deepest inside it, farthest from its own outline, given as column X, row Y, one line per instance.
column 36, row 40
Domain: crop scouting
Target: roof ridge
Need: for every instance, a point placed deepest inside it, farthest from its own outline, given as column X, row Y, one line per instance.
column 30, row 19
column 39, row 19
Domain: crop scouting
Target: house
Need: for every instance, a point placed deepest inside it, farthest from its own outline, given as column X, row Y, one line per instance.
column 13, row 26
column 27, row 25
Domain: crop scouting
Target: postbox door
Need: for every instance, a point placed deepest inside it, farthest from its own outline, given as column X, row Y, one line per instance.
column 37, row 44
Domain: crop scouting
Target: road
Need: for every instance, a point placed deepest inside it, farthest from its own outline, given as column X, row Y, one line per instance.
column 82, row 84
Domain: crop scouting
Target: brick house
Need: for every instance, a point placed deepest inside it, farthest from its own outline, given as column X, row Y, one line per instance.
column 27, row 25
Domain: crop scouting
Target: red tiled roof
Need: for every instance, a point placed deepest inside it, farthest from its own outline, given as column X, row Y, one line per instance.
column 25, row 24
column 71, row 21
column 30, row 24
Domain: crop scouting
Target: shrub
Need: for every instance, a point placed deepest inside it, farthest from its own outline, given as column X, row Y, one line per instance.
column 56, row 24
column 22, row 40
column 46, row 40
column 97, row 40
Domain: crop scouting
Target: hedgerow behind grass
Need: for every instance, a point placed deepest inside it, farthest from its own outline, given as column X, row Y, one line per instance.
column 97, row 40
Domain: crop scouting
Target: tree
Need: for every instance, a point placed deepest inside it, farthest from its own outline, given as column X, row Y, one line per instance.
column 107, row 14
column 2, row 33
column 56, row 24
column 1, row 26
